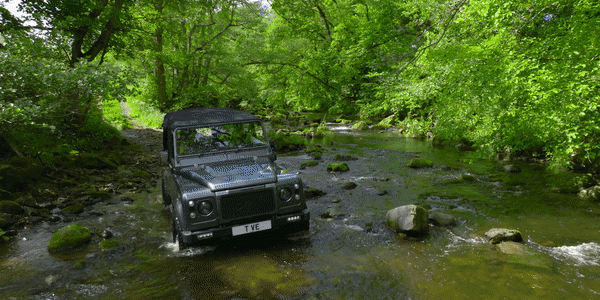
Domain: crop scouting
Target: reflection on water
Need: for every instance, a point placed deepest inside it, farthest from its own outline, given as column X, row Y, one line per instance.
column 353, row 256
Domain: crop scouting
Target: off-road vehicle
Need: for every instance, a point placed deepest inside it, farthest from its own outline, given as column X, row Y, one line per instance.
column 221, row 181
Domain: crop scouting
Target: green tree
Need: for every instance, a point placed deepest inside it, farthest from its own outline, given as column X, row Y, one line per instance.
column 90, row 28
column 198, row 44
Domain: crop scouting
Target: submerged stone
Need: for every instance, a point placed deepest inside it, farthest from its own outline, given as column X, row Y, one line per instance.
column 68, row 237
column 498, row 235
column 521, row 254
column 420, row 163
column 410, row 219
column 438, row 218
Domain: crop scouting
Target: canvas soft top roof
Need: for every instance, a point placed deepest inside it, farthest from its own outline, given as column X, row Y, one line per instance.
column 205, row 116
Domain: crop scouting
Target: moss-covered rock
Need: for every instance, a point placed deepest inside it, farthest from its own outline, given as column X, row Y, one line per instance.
column 315, row 151
column 141, row 173
column 361, row 125
column 108, row 244
column 73, row 209
column 310, row 163
column 337, row 167
column 310, row 192
column 385, row 123
column 69, row 237
column 420, row 163
column 10, row 207
column 288, row 143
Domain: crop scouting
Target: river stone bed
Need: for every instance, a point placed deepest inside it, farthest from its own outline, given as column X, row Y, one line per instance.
column 349, row 251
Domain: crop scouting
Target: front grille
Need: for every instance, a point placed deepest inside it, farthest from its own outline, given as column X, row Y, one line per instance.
column 247, row 204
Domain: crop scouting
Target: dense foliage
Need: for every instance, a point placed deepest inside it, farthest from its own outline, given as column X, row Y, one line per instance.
column 514, row 77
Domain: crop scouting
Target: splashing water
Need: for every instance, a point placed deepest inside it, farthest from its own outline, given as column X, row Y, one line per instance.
column 584, row 254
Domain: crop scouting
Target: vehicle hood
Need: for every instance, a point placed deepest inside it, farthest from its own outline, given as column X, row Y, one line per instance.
column 231, row 174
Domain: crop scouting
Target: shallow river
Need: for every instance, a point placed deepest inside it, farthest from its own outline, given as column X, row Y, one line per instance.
column 353, row 256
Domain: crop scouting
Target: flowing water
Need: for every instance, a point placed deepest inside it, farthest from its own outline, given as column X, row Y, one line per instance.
column 352, row 256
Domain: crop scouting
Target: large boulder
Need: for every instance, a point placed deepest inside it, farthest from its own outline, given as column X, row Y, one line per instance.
column 409, row 219
column 69, row 237
column 499, row 235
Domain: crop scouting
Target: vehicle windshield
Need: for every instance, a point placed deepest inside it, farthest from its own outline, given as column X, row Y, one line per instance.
column 204, row 140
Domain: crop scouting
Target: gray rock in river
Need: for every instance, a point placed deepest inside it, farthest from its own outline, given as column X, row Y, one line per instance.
column 409, row 219
column 498, row 235
column 513, row 252
column 349, row 185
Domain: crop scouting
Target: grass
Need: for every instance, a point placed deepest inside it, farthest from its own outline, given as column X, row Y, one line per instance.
column 143, row 113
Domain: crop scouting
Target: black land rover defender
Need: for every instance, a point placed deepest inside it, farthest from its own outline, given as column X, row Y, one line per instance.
column 221, row 180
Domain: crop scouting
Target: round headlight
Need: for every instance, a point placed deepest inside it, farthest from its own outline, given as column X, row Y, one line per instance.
column 205, row 208
column 285, row 194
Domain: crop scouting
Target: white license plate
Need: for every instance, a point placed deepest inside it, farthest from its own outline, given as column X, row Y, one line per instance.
column 252, row 227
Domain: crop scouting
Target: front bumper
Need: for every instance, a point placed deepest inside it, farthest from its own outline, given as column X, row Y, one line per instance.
column 288, row 223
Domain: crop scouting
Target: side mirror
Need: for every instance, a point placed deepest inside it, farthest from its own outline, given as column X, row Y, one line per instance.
column 163, row 158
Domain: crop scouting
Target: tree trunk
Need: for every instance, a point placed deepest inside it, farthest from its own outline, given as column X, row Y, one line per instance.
column 159, row 65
